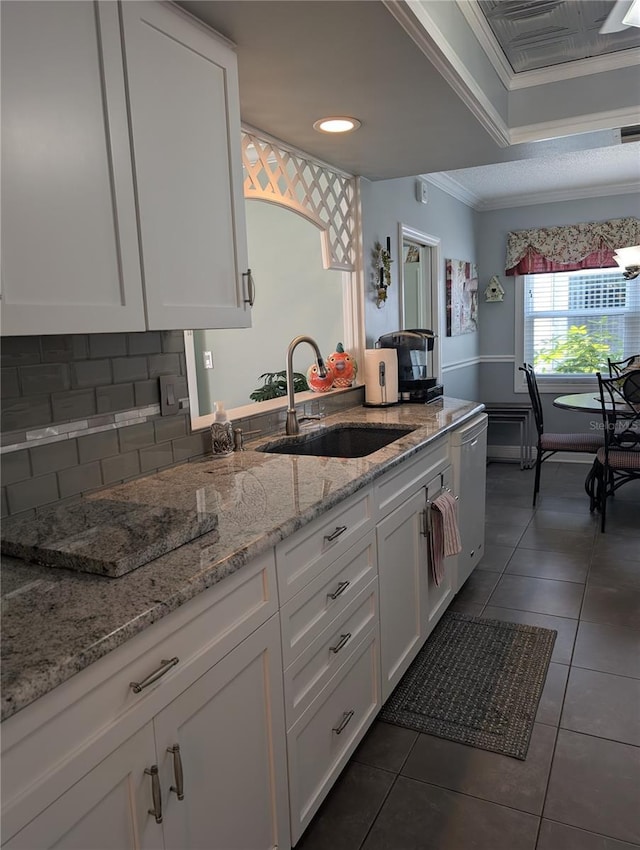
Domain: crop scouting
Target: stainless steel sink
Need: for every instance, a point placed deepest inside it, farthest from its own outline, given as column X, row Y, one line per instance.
column 338, row 441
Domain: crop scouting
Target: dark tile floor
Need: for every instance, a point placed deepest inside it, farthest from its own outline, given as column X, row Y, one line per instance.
column 579, row 787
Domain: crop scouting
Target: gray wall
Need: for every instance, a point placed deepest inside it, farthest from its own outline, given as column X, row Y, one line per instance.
column 387, row 203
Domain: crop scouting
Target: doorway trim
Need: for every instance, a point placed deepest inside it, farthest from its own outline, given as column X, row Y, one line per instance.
column 431, row 242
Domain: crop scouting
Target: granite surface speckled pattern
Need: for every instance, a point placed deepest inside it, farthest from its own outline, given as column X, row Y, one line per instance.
column 104, row 536
column 56, row 622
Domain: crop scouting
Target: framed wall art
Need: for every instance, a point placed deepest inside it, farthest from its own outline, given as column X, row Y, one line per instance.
column 462, row 297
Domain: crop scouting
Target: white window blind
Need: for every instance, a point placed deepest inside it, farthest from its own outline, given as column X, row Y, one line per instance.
column 574, row 321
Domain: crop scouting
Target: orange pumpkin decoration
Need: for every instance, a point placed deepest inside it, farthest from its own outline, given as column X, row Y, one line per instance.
column 344, row 366
column 318, row 384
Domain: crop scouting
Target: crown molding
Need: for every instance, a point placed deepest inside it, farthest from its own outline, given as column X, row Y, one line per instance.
column 420, row 26
column 569, row 126
column 447, row 184
column 578, row 68
column 553, row 197
column 443, row 181
column 474, row 16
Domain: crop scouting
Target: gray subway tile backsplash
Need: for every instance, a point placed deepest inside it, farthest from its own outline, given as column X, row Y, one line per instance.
column 55, row 456
column 120, row 467
column 163, row 364
column 97, row 446
column 116, row 397
column 80, row 479
column 15, row 467
column 156, row 457
column 136, row 436
column 107, row 345
column 91, row 373
column 74, row 404
column 146, row 392
column 170, row 428
column 32, row 493
column 9, row 382
column 129, row 369
column 147, row 343
column 57, row 349
column 26, row 412
column 20, row 350
column 44, row 378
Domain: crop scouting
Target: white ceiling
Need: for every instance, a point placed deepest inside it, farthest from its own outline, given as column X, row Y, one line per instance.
column 563, row 176
column 416, row 92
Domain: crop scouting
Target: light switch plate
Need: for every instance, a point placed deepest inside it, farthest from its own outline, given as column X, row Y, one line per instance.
column 170, row 393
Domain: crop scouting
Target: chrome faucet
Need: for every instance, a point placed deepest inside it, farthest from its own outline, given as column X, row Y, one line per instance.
column 292, row 426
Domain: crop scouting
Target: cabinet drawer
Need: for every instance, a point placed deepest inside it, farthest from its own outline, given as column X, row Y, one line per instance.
column 310, row 672
column 46, row 745
column 399, row 483
column 326, row 735
column 303, row 555
column 311, row 611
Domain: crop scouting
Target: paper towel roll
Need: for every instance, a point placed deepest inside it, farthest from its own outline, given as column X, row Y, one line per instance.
column 381, row 376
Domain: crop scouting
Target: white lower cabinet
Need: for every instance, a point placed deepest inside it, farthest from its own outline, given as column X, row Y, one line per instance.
column 469, row 458
column 322, row 740
column 402, row 556
column 224, row 788
column 229, row 726
column 106, row 809
column 236, row 747
column 411, row 603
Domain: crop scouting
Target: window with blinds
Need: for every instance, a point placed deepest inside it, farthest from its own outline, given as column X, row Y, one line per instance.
column 574, row 321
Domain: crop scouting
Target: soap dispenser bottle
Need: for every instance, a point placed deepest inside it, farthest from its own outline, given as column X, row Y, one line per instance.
column 221, row 432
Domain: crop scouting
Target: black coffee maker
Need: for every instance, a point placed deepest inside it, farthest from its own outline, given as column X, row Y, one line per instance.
column 416, row 383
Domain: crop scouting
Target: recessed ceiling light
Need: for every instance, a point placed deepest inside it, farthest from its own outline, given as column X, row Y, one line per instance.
column 340, row 124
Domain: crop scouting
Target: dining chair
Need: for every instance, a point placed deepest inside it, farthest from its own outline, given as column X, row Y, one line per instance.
column 549, row 444
column 619, row 458
column 617, row 368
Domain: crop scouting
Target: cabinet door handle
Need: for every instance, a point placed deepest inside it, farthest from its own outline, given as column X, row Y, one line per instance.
column 165, row 666
column 339, row 590
column 342, row 642
column 156, row 811
column 251, row 288
column 178, row 788
column 425, row 523
column 346, row 717
column 340, row 529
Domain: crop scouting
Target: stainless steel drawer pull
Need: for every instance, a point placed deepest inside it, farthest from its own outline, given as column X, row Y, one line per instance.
column 344, row 639
column 156, row 811
column 340, row 529
column 251, row 288
column 346, row 717
column 165, row 666
column 178, row 788
column 339, row 590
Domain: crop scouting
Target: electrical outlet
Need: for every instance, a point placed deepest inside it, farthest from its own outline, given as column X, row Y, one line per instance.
column 207, row 356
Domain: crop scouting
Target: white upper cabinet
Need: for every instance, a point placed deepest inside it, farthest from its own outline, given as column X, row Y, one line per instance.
column 70, row 258
column 185, row 122
column 75, row 161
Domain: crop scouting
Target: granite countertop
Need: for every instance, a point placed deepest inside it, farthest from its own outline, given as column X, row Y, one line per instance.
column 55, row 622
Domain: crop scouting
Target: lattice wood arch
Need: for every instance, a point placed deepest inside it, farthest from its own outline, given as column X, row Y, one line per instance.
column 325, row 197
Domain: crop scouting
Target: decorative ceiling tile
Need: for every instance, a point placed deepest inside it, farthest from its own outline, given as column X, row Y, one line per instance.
column 539, row 33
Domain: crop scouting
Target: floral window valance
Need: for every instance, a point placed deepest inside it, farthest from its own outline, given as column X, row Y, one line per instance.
column 570, row 247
